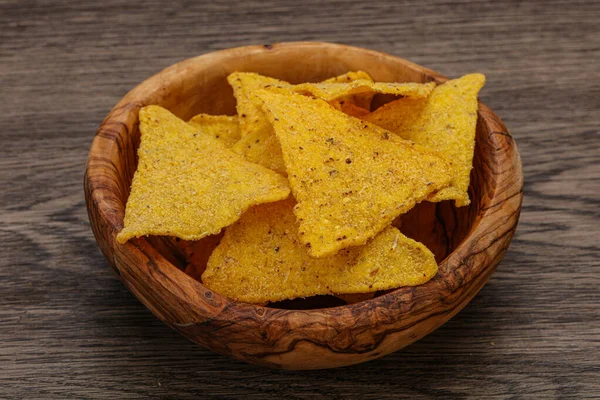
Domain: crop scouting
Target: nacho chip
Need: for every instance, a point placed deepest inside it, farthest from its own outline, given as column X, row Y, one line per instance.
column 261, row 147
column 351, row 178
column 329, row 91
column 225, row 128
column 258, row 143
column 251, row 117
column 189, row 185
column 446, row 122
column 349, row 108
column 261, row 259
column 398, row 115
column 349, row 77
column 362, row 101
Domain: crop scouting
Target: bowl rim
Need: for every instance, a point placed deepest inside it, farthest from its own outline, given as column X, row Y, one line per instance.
column 462, row 267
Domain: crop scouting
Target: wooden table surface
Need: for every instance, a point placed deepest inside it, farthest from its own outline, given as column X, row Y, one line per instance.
column 70, row 329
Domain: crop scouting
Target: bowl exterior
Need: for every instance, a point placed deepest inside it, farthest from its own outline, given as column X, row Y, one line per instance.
column 295, row 339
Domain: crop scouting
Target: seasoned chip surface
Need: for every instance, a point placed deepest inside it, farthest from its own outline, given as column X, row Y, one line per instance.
column 262, row 147
column 225, row 128
column 258, row 143
column 398, row 116
column 349, row 77
column 188, row 184
column 251, row 117
column 350, row 178
column 349, row 108
column 446, row 121
column 349, row 103
column 334, row 90
column 261, row 259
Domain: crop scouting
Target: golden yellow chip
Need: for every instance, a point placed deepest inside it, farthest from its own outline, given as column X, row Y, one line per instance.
column 188, row 184
column 251, row 117
column 261, row 147
column 363, row 101
column 258, row 143
column 349, row 77
column 261, row 259
column 329, row 91
column 349, row 108
column 350, row 178
column 399, row 115
column 225, row 128
column 446, row 121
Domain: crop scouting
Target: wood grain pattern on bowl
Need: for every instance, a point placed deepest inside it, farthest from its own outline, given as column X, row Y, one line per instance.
column 468, row 242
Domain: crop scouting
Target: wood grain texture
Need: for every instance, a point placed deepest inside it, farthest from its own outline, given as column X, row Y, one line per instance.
column 68, row 327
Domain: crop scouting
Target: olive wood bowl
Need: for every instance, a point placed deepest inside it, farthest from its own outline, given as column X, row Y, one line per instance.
column 468, row 242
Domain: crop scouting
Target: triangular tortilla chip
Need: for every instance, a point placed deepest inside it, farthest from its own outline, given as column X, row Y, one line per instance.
column 251, row 116
column 446, row 121
column 349, row 108
column 329, row 91
column 225, row 128
column 258, row 143
column 261, row 147
column 188, row 184
column 260, row 259
column 398, row 115
column 349, row 76
column 353, row 104
column 351, row 178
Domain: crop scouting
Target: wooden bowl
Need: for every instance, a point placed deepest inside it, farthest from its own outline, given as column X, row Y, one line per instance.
column 468, row 242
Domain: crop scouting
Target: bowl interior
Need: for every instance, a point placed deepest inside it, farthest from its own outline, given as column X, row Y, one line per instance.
column 440, row 226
